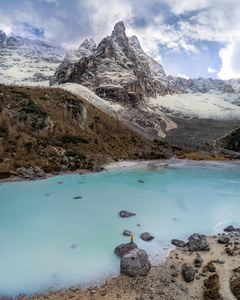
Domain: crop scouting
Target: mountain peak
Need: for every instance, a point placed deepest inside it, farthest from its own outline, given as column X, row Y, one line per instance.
column 88, row 44
column 119, row 26
column 119, row 36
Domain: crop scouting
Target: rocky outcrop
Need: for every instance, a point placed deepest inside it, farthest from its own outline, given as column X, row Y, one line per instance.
column 124, row 248
column 31, row 173
column 117, row 69
column 197, row 242
column 134, row 263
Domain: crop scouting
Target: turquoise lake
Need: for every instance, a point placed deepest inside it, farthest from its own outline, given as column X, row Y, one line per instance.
column 49, row 240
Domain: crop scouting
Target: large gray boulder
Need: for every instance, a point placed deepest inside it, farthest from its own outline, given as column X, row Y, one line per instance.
column 197, row 242
column 223, row 240
column 188, row 273
column 135, row 262
column 124, row 248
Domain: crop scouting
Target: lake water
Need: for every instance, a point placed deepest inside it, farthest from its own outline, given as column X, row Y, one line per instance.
column 41, row 220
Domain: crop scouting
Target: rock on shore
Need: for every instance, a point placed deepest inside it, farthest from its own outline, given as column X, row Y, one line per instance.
column 135, row 262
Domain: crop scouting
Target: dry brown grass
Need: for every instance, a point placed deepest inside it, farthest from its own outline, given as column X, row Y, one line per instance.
column 39, row 125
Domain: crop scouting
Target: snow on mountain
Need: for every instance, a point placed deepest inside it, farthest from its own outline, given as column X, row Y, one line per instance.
column 117, row 69
column 27, row 61
column 197, row 105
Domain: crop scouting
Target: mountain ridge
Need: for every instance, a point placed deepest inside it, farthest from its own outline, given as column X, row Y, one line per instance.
column 120, row 78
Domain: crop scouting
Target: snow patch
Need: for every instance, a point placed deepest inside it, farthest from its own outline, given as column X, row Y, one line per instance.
column 207, row 105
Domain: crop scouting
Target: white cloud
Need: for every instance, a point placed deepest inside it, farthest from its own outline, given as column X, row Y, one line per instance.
column 183, row 76
column 230, row 61
column 211, row 70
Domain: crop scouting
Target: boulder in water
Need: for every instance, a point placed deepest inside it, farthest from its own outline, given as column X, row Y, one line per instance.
column 146, row 236
column 126, row 214
column 229, row 228
column 127, row 233
column 124, row 248
column 135, row 262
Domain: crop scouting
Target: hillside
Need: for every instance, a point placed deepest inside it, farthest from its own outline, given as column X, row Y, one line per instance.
column 52, row 128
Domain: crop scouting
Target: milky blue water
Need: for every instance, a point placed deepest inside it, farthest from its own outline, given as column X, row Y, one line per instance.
column 41, row 220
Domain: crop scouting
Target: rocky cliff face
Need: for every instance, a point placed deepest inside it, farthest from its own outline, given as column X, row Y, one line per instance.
column 117, row 69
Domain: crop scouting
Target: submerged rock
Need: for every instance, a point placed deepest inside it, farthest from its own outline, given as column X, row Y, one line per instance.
column 126, row 214
column 178, row 243
column 124, row 248
column 197, row 242
column 134, row 263
column 146, row 236
column 188, row 273
column 141, row 181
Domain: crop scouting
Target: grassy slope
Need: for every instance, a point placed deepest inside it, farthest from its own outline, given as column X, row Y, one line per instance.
column 41, row 126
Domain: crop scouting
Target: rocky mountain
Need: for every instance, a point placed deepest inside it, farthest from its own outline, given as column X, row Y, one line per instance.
column 28, row 61
column 116, row 69
column 118, row 77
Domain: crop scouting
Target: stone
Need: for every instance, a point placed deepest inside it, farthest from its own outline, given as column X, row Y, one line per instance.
column 64, row 168
column 126, row 214
column 124, row 248
column 134, row 263
column 178, row 243
column 127, row 233
column 141, row 181
column 198, row 242
column 78, row 197
column 198, row 261
column 229, row 228
column 146, row 236
column 223, row 240
column 188, row 273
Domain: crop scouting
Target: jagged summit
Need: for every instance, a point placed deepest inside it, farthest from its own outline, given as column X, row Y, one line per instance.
column 88, row 44
column 117, row 69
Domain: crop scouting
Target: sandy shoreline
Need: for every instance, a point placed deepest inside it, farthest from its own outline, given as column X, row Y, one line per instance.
column 164, row 281
column 128, row 164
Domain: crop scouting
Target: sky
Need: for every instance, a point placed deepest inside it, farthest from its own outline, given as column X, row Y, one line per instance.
column 190, row 38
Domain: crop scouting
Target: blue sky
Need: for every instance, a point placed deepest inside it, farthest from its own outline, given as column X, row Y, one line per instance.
column 191, row 38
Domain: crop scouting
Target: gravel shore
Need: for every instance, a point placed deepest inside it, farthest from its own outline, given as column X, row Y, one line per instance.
column 165, row 281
